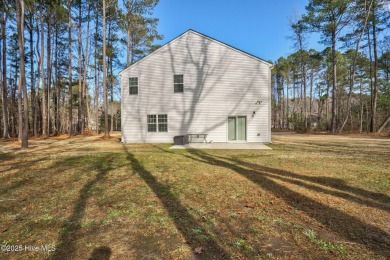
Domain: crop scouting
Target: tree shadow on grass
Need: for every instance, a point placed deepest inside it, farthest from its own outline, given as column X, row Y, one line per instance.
column 339, row 222
column 180, row 215
column 380, row 150
column 101, row 253
column 7, row 165
column 378, row 200
column 66, row 246
column 13, row 186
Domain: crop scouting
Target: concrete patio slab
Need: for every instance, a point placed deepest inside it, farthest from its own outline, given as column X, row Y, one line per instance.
column 228, row 146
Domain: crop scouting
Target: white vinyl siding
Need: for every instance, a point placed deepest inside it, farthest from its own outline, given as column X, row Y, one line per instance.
column 220, row 82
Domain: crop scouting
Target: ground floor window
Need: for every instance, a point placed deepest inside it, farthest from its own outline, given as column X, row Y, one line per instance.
column 163, row 123
column 158, row 123
column 152, row 123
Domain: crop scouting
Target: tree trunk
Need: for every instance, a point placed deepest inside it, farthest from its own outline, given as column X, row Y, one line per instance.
column 112, row 102
column 287, row 109
column 350, row 114
column 361, row 110
column 20, row 107
column 283, row 104
column 374, row 94
column 369, row 122
column 24, row 87
column 128, row 48
column 96, row 75
column 86, row 61
column 70, row 67
column 20, row 97
column 278, row 113
column 48, row 73
column 44, row 108
column 80, row 98
column 4, row 71
column 32, row 76
column 320, row 109
column 311, row 97
column 367, row 117
column 110, row 58
column 97, row 82
column 12, row 84
column 327, row 100
column 57, row 89
column 36, row 98
column 334, row 89
column 1, row 76
column 303, row 76
column 106, row 130
column 22, row 78
column 304, row 96
column 128, row 35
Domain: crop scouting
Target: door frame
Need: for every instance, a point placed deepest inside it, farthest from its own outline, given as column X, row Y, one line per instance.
column 246, row 129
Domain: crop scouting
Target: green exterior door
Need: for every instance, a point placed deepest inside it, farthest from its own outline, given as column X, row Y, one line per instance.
column 241, row 128
column 232, row 129
column 236, row 128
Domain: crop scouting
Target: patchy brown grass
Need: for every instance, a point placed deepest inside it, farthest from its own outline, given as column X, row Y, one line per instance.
column 312, row 196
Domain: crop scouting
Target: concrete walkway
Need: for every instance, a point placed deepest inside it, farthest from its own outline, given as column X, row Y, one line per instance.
column 228, row 146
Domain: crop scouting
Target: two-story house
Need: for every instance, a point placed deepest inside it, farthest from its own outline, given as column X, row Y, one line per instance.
column 196, row 84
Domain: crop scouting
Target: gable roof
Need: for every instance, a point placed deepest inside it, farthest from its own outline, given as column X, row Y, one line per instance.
column 206, row 37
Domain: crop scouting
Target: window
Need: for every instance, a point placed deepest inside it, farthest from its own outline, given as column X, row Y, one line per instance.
column 163, row 123
column 152, row 123
column 178, row 83
column 133, row 86
column 158, row 123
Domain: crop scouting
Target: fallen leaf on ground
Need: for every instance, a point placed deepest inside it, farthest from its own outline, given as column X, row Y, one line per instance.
column 198, row 250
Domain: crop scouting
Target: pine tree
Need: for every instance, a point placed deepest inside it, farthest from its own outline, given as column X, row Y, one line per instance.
column 329, row 18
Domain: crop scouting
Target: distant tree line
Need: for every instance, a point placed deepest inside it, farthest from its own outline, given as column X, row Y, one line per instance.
column 58, row 60
column 346, row 86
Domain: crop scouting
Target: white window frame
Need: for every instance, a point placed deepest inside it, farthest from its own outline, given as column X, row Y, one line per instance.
column 156, row 122
column 133, row 86
column 165, row 123
column 179, row 85
column 151, row 123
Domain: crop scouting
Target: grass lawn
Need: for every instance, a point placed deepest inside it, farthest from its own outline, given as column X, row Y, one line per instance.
column 312, row 197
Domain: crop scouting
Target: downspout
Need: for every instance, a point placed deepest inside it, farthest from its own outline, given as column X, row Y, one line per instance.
column 269, row 102
column 120, row 76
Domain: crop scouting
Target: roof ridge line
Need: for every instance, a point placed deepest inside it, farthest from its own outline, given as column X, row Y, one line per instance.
column 202, row 35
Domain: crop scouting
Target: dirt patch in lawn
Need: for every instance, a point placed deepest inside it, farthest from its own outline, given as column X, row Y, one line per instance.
column 312, row 196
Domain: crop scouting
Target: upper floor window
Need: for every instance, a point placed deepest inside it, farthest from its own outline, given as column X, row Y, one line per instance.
column 178, row 83
column 133, row 86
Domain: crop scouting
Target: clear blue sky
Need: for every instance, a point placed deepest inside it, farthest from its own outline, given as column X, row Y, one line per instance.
column 259, row 27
